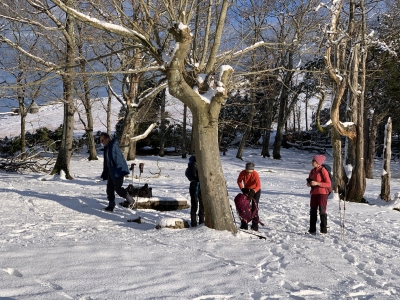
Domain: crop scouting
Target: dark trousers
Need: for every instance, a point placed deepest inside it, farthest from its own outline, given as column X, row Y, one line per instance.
column 115, row 186
column 318, row 202
column 254, row 221
column 196, row 202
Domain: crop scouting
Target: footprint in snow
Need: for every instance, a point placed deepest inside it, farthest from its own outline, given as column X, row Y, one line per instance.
column 379, row 261
column 350, row 258
column 13, row 272
column 49, row 285
column 300, row 289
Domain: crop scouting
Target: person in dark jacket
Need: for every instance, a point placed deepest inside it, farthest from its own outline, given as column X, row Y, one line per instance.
column 196, row 201
column 319, row 181
column 114, row 170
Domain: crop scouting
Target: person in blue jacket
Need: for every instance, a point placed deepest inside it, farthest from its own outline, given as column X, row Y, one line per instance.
column 114, row 170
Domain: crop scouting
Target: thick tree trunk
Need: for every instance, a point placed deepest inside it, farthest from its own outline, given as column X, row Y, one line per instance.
column 162, row 125
column 65, row 151
column 184, row 131
column 385, row 185
column 339, row 175
column 23, row 111
column 132, row 145
column 127, row 130
column 370, row 147
column 218, row 213
column 130, row 95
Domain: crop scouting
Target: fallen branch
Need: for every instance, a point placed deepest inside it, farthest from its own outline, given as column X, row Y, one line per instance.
column 157, row 174
column 37, row 161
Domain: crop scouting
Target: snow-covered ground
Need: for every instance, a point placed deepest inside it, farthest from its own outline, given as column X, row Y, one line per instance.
column 57, row 243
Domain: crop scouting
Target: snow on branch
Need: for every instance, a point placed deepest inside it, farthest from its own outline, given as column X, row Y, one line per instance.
column 232, row 54
column 108, row 27
column 145, row 134
column 117, row 29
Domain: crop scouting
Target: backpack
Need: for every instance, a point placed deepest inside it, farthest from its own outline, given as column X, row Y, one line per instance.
column 143, row 191
column 191, row 171
column 243, row 207
column 328, row 169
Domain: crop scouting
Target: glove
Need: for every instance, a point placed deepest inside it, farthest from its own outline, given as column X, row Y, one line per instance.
column 245, row 191
column 251, row 194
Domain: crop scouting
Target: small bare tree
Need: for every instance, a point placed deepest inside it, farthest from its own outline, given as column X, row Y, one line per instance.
column 387, row 155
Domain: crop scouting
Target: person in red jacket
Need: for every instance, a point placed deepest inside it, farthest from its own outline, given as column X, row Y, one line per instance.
column 319, row 181
column 249, row 179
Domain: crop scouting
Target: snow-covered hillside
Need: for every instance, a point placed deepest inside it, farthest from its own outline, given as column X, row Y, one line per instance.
column 51, row 116
column 57, row 243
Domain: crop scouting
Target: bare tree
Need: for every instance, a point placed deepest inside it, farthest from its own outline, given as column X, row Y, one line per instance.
column 43, row 19
column 346, row 57
column 203, row 95
column 385, row 186
column 22, row 86
column 296, row 25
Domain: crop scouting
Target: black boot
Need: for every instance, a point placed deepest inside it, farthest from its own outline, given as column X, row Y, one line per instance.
column 324, row 223
column 111, row 205
column 243, row 225
column 313, row 220
column 254, row 225
column 109, row 208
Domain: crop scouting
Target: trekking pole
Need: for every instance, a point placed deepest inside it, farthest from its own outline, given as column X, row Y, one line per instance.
column 141, row 166
column 132, row 168
column 340, row 214
column 344, row 210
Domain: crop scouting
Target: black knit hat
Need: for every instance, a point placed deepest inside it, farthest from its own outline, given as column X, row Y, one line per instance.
column 249, row 166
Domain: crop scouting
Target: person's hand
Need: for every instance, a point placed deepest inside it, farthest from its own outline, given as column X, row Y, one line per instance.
column 315, row 183
column 243, row 190
column 251, row 194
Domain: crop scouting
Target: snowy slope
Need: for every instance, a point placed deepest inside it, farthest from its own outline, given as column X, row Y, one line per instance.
column 51, row 116
column 57, row 243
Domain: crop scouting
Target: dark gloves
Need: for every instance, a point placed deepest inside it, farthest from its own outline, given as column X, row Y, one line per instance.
column 251, row 194
column 245, row 191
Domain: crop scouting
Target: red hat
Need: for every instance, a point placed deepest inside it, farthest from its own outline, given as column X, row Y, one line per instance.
column 319, row 159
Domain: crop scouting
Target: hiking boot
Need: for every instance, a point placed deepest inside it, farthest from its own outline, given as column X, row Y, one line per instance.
column 244, row 226
column 193, row 224
column 312, row 232
column 108, row 208
column 254, row 229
